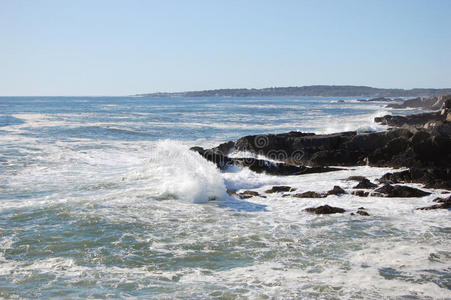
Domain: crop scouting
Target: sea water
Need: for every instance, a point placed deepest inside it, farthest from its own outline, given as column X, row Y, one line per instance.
column 101, row 197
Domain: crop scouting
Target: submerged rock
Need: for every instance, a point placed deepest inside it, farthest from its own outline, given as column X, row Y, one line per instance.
column 389, row 190
column 325, row 209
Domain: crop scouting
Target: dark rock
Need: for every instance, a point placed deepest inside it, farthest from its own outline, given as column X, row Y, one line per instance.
column 225, row 148
column 360, row 193
column 430, row 177
column 365, row 184
column 309, row 194
column 401, row 191
column 231, row 192
column 336, row 191
column 425, row 151
column 443, row 204
column 417, row 121
column 249, row 194
column 325, row 209
column 362, row 213
column 279, row 189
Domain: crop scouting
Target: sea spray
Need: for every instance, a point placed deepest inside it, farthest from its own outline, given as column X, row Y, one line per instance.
column 184, row 174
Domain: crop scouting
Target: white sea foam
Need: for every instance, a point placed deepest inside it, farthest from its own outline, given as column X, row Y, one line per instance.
column 175, row 171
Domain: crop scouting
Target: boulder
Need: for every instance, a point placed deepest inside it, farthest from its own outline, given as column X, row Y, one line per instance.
column 400, row 191
column 325, row 209
column 279, row 189
column 365, row 184
column 336, row 191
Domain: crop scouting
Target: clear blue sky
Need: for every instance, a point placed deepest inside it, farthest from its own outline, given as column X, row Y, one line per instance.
column 125, row 47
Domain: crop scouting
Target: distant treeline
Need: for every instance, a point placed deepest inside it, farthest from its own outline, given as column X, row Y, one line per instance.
column 313, row 90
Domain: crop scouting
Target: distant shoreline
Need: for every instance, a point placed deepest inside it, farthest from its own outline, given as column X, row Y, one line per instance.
column 308, row 91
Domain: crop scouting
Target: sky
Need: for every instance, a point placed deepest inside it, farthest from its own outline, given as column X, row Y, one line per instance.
column 108, row 47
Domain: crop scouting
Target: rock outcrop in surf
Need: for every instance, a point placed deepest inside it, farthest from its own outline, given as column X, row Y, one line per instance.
column 420, row 143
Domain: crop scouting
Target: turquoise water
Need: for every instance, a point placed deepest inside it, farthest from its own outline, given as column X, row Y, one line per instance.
column 100, row 197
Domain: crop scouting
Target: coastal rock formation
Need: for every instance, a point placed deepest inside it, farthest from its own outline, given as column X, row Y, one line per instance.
column 325, row 209
column 442, row 204
column 223, row 162
column 433, row 103
column 400, row 191
column 420, row 143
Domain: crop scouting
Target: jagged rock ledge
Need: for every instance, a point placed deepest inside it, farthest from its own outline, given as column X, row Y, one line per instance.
column 421, row 143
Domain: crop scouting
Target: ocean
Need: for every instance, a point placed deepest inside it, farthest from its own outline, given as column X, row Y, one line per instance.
column 100, row 197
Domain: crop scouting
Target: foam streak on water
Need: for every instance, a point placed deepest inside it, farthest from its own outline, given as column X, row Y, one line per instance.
column 101, row 197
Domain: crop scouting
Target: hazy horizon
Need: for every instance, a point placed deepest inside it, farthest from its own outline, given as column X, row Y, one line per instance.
column 113, row 48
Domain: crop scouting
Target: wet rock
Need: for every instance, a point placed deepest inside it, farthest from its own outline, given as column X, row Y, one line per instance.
column 360, row 193
column 443, row 203
column 362, row 213
column 424, row 151
column 249, row 194
column 389, row 190
column 430, row 177
column 309, row 194
column 336, row 191
column 279, row 189
column 325, row 209
column 365, row 184
column 231, row 192
column 413, row 120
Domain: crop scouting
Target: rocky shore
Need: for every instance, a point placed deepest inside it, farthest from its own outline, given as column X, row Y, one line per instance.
column 419, row 144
